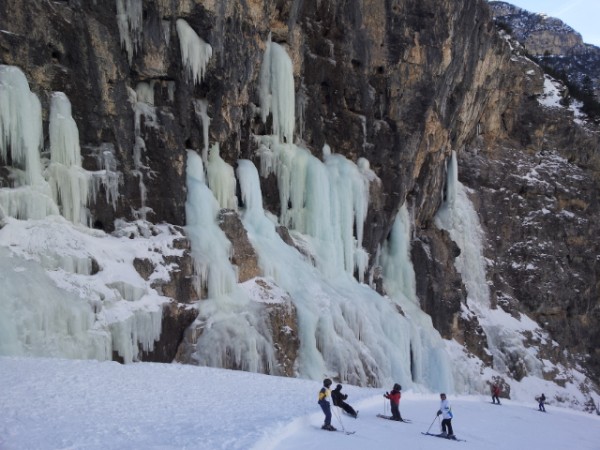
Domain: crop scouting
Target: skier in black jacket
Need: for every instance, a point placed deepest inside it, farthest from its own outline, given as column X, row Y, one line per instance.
column 338, row 400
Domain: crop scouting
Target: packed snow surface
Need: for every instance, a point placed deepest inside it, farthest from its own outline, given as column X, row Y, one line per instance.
column 83, row 404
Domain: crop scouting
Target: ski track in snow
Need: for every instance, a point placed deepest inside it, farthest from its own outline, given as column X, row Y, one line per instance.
column 75, row 404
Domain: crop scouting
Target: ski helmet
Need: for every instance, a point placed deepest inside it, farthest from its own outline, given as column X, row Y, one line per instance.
column 397, row 387
column 338, row 387
column 327, row 382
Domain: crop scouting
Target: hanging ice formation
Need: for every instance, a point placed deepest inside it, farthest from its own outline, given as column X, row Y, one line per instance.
column 68, row 180
column 142, row 102
column 201, row 109
column 460, row 219
column 50, row 303
column 277, row 95
column 129, row 20
column 21, row 140
column 195, row 53
column 108, row 176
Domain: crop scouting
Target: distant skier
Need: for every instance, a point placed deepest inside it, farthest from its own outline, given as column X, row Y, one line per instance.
column 541, row 400
column 394, row 398
column 446, row 412
column 325, row 405
column 338, row 400
column 496, row 393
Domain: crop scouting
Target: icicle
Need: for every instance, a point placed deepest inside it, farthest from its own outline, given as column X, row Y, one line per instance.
column 277, row 91
column 195, row 53
column 145, row 92
column 201, row 108
column 68, row 180
column 142, row 108
column 166, row 27
column 107, row 176
column 171, row 90
column 129, row 20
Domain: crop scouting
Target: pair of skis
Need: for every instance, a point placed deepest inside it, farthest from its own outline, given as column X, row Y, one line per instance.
column 443, row 436
column 391, row 418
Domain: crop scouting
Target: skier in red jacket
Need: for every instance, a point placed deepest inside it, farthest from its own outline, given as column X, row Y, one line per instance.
column 496, row 393
column 394, row 398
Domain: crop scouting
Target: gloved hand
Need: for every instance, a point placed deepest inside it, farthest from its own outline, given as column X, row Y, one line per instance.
column 438, row 413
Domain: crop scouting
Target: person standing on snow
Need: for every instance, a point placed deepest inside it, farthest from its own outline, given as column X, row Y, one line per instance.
column 496, row 393
column 325, row 405
column 394, row 398
column 446, row 412
column 338, row 400
column 541, row 400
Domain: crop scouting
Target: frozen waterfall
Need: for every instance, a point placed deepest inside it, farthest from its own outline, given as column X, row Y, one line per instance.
column 346, row 329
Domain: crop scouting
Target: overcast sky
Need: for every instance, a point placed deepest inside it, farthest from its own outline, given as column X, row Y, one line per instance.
column 582, row 15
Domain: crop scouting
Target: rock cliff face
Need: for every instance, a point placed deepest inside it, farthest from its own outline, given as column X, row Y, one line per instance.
column 401, row 83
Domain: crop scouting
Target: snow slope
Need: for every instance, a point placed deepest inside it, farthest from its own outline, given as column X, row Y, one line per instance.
column 77, row 404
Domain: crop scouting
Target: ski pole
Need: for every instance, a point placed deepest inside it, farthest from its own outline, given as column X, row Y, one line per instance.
column 436, row 416
column 337, row 416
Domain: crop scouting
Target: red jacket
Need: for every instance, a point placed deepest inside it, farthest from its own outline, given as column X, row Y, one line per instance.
column 496, row 390
column 394, row 396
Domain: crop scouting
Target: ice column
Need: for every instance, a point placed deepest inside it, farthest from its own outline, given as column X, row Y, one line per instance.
column 195, row 53
column 429, row 362
column 277, row 91
column 221, row 179
column 210, row 247
column 20, row 142
column 398, row 269
column 68, row 180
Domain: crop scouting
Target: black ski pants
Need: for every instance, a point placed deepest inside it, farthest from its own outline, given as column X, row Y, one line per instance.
column 447, row 423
